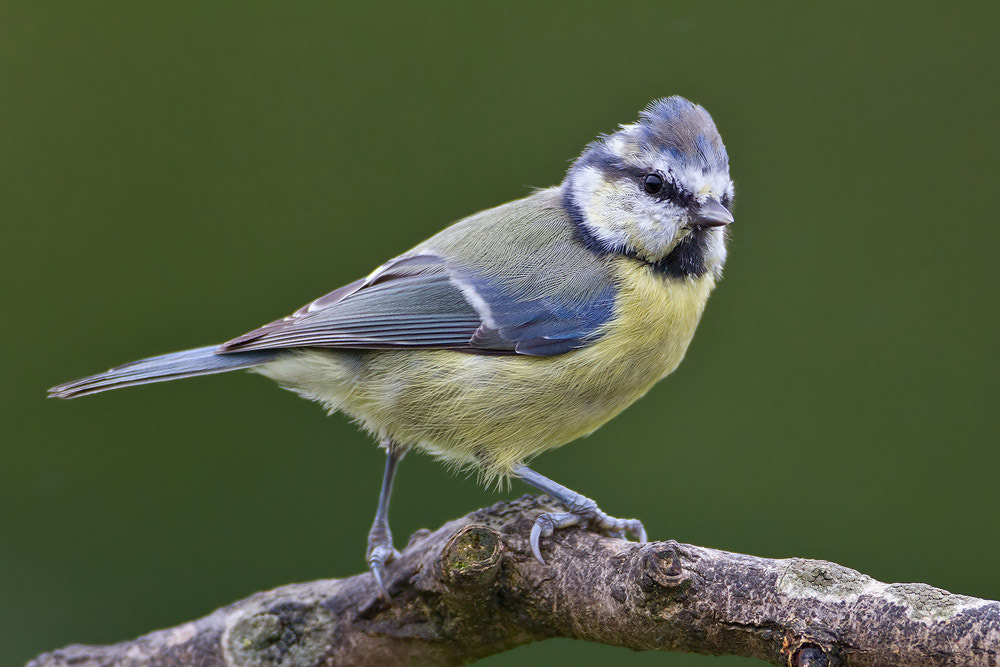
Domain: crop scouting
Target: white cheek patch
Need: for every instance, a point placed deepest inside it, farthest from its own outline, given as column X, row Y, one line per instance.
column 622, row 217
column 603, row 211
column 655, row 232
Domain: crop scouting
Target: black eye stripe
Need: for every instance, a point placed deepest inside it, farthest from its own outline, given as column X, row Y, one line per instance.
column 613, row 167
column 665, row 188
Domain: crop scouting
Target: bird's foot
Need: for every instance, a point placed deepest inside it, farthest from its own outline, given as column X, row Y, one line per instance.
column 380, row 553
column 583, row 512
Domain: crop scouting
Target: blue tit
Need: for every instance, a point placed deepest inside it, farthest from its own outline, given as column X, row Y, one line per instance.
column 515, row 330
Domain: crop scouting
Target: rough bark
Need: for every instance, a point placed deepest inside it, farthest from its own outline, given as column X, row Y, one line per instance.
column 472, row 588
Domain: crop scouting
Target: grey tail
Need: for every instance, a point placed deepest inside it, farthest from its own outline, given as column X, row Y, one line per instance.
column 173, row 366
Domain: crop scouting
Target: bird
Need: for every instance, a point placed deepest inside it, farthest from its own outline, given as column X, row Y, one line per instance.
column 515, row 330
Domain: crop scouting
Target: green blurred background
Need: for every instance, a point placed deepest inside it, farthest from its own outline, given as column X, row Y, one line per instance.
column 174, row 174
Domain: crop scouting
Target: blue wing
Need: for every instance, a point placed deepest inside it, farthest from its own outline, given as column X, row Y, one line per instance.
column 423, row 301
column 536, row 323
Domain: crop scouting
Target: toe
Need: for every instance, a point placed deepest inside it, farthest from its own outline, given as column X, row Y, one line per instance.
column 536, row 533
column 543, row 527
column 378, row 571
column 378, row 558
column 548, row 523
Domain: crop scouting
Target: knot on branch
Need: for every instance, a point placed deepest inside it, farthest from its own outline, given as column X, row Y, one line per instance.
column 661, row 567
column 807, row 651
column 470, row 560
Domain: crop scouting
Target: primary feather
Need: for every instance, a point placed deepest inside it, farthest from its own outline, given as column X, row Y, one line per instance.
column 173, row 366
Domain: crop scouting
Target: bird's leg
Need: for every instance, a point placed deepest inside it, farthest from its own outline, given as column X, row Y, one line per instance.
column 582, row 512
column 380, row 549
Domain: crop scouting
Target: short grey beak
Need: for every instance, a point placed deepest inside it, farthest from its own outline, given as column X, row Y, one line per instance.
column 711, row 214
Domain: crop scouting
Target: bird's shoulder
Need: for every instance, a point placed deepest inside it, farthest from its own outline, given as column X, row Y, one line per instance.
column 531, row 247
column 534, row 229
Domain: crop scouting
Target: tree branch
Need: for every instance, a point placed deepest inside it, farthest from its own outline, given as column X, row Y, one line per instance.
column 472, row 588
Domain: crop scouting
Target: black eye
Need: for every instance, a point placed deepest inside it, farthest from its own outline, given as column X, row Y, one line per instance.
column 652, row 183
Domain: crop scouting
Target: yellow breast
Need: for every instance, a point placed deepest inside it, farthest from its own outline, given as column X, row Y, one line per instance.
column 493, row 412
column 655, row 318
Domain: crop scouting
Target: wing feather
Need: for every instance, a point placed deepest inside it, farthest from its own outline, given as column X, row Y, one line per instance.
column 408, row 303
column 526, row 286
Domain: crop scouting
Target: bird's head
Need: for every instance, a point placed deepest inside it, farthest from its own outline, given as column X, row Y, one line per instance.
column 658, row 190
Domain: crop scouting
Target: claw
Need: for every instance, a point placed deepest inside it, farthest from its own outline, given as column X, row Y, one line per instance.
column 548, row 523
column 536, row 533
column 378, row 571
column 378, row 558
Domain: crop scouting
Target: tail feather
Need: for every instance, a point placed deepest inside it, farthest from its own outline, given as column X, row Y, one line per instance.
column 173, row 366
